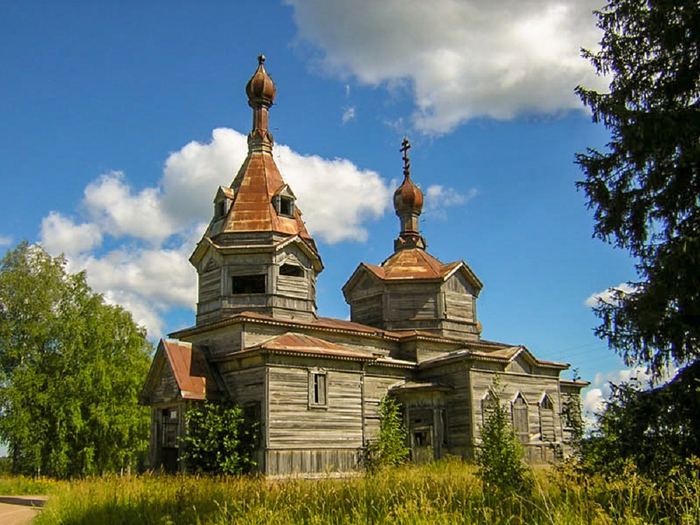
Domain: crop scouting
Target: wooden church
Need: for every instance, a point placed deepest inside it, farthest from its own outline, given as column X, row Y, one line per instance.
column 313, row 384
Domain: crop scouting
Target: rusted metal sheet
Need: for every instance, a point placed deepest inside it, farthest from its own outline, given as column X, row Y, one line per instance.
column 412, row 263
column 190, row 369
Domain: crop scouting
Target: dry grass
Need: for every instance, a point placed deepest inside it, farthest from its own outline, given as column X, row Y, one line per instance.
column 447, row 492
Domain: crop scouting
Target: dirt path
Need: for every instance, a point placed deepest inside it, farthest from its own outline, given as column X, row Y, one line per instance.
column 19, row 510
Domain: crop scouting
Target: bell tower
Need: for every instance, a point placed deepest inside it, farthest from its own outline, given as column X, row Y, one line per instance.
column 256, row 255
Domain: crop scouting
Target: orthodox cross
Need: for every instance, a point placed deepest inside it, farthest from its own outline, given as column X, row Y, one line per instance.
column 405, row 146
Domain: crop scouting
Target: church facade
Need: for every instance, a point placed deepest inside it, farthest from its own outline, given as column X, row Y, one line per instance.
column 312, row 384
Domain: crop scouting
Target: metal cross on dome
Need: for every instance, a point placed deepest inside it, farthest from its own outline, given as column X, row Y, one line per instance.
column 405, row 146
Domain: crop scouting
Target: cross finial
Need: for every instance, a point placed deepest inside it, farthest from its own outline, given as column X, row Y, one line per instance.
column 261, row 59
column 405, row 146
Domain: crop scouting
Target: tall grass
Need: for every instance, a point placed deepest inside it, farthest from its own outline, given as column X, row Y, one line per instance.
column 447, row 492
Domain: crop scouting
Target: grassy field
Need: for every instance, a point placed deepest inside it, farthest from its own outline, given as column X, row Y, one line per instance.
column 448, row 492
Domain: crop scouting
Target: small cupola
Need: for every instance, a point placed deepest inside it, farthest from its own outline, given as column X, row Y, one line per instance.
column 408, row 204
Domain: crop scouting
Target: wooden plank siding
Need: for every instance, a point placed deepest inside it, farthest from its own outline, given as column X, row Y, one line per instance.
column 532, row 388
column 458, row 406
column 375, row 388
column 166, row 389
column 295, row 424
column 293, row 286
column 303, row 438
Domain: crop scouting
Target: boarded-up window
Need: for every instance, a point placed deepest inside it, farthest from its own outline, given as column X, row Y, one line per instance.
column 520, row 423
column 318, row 389
column 488, row 405
column 547, row 418
column 245, row 284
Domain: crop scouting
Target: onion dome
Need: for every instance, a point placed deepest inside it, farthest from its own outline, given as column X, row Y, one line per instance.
column 408, row 203
column 408, row 197
column 260, row 88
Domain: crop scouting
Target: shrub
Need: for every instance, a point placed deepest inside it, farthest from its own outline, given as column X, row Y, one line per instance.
column 217, row 440
column 500, row 455
column 390, row 448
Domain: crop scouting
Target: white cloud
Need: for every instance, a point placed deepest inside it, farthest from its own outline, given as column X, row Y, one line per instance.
column 118, row 211
column 437, row 198
column 336, row 197
column 5, row 240
column 60, row 234
column 461, row 59
column 152, row 232
column 610, row 295
column 594, row 398
column 193, row 174
column 348, row 115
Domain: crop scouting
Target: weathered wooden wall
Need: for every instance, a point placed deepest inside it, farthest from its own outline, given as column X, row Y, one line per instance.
column 532, row 387
column 306, row 438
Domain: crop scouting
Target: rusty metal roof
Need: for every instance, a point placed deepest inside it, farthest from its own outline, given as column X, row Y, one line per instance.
column 413, row 263
column 259, row 179
column 190, row 370
column 301, row 344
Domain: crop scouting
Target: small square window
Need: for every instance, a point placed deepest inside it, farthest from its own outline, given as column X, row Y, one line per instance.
column 286, row 206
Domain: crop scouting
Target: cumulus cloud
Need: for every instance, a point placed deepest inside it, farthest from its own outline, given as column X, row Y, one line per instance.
column 60, row 234
column 460, row 59
column 437, row 198
column 610, row 295
column 152, row 232
column 594, row 398
column 336, row 197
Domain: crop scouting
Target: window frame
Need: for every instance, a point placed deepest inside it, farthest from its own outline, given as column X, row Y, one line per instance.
column 318, row 388
column 259, row 276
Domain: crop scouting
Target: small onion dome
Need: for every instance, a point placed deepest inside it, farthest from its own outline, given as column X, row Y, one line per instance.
column 408, row 197
column 260, row 87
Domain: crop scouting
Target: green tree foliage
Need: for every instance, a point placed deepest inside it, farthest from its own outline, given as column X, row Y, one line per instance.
column 657, row 430
column 500, row 454
column 573, row 419
column 644, row 188
column 218, row 440
column 390, row 449
column 71, row 368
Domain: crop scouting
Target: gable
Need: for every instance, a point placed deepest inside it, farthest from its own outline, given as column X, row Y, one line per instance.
column 161, row 385
column 458, row 283
column 166, row 388
column 520, row 364
column 362, row 283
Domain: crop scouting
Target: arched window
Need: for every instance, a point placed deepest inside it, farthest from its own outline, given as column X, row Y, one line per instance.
column 547, row 418
column 488, row 405
column 520, row 422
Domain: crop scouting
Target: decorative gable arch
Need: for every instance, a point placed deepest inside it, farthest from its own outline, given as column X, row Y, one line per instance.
column 546, row 416
column 520, row 418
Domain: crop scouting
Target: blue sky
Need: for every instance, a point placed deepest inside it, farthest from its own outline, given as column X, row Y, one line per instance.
column 119, row 120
